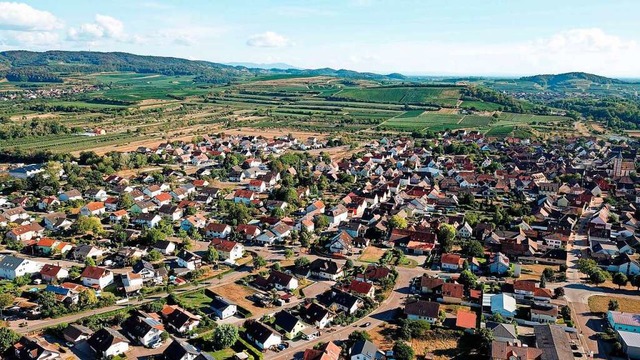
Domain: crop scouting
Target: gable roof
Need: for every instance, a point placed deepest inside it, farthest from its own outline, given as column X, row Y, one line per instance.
column 423, row 308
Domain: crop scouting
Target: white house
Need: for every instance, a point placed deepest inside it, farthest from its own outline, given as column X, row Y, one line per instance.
column 94, row 208
column 96, row 277
column 223, row 308
column 12, row 267
column 230, row 251
column 261, row 335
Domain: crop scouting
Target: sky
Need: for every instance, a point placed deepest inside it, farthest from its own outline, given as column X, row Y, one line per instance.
column 463, row 37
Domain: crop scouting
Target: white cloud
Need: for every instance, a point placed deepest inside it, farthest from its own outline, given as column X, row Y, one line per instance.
column 22, row 17
column 104, row 27
column 29, row 39
column 268, row 39
column 589, row 50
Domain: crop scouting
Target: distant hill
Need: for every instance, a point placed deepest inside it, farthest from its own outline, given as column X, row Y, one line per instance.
column 554, row 80
column 52, row 66
column 267, row 66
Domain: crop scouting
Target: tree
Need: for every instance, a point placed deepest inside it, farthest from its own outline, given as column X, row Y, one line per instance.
column 90, row 261
column 486, row 338
column 398, row 222
column 259, row 262
column 348, row 264
column 558, row 292
column 467, row 278
column 548, row 273
column 8, row 337
column 620, row 279
column 402, row 351
column 154, row 255
column 613, row 305
column 302, row 261
column 359, row 335
column 446, row 235
column 587, row 266
column 543, row 281
column 6, row 299
column 598, row 277
column 212, row 255
column 321, row 222
column 87, row 298
column 88, row 224
column 473, row 248
column 126, row 201
column 288, row 254
column 635, row 281
column 225, row 336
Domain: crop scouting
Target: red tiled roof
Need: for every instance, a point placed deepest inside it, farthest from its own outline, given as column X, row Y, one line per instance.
column 453, row 290
column 452, row 259
column 360, row 287
column 93, row 272
column 466, row 319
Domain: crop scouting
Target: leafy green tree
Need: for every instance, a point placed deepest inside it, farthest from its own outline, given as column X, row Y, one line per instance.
column 587, row 266
column 288, row 254
column 402, row 351
column 154, row 255
column 224, row 336
column 90, row 261
column 358, row 335
column 259, row 262
column 548, row 273
column 8, row 337
column 598, row 277
column 467, row 278
column 473, row 248
column 212, row 255
column 6, row 299
column 87, row 298
column 397, row 222
column 88, row 224
column 302, row 261
column 321, row 222
column 635, row 281
column 446, row 237
column 620, row 279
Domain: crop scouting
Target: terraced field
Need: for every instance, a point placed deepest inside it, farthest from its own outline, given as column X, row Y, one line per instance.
column 443, row 96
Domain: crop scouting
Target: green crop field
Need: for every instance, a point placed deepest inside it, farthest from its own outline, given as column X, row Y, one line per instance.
column 480, row 105
column 500, row 130
column 445, row 96
column 411, row 114
column 431, row 121
column 476, row 120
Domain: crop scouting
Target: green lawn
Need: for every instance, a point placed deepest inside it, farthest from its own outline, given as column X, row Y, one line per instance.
column 222, row 354
column 195, row 300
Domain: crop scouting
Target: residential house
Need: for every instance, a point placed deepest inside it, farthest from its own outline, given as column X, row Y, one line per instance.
column 282, row 281
column 544, row 313
column 428, row 311
column 326, row 269
column 107, row 343
column 96, row 277
column 74, row 333
column 179, row 319
column 317, row 315
column 143, row 329
column 94, row 208
column 189, row 260
column 452, row 293
column 344, row 301
column 499, row 264
column 504, row 305
column 34, row 349
column 327, row 351
column 466, row 320
column 230, row 251
column 288, row 324
column 223, row 308
column 12, row 267
column 165, row 247
column 451, row 262
column 216, row 230
column 362, row 288
column 364, row 350
column 84, row 252
column 25, row 233
column 262, row 336
column 53, row 273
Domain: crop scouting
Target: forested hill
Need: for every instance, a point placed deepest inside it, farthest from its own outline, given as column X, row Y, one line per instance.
column 51, row 66
column 552, row 80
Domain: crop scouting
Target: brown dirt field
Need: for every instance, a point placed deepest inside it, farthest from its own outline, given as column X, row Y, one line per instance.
column 581, row 128
column 290, row 81
column 152, row 103
column 435, row 341
column 447, row 111
column 372, row 254
column 33, row 116
column 238, row 294
column 536, row 269
column 633, row 133
column 597, row 127
column 599, row 303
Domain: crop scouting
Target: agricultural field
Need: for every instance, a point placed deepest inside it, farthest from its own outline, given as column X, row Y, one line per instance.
column 600, row 304
column 443, row 96
column 480, row 105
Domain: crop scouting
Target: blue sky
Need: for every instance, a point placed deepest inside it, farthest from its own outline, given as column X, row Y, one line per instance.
column 461, row 37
